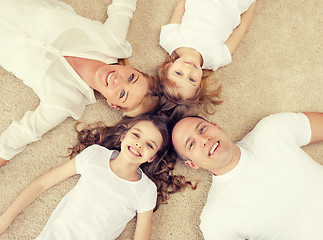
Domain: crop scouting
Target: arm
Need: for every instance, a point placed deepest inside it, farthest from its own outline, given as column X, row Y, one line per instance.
column 238, row 33
column 316, row 122
column 120, row 13
column 178, row 12
column 29, row 129
column 143, row 225
column 34, row 189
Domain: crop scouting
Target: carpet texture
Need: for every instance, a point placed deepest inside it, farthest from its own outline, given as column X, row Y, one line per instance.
column 277, row 68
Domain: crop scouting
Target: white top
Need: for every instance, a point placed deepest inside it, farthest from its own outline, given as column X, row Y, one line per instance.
column 34, row 38
column 101, row 204
column 275, row 191
column 205, row 26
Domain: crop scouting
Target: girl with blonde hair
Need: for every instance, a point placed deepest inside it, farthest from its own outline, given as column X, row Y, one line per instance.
column 201, row 35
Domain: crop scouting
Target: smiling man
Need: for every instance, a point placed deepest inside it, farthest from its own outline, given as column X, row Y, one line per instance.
column 264, row 186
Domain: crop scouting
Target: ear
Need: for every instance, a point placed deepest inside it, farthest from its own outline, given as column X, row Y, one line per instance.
column 112, row 105
column 191, row 164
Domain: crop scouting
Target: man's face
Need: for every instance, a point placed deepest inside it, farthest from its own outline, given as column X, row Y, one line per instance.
column 122, row 86
column 204, row 144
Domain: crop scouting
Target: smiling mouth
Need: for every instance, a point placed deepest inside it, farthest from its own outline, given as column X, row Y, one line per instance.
column 214, row 148
column 108, row 77
column 134, row 152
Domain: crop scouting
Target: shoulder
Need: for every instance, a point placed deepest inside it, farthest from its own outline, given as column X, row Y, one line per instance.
column 94, row 155
column 286, row 121
column 286, row 126
column 151, row 186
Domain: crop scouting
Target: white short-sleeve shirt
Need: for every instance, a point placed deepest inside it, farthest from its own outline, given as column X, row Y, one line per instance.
column 275, row 191
column 205, row 26
column 101, row 204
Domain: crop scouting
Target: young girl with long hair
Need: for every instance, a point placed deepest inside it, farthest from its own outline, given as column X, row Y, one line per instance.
column 65, row 58
column 201, row 35
column 118, row 166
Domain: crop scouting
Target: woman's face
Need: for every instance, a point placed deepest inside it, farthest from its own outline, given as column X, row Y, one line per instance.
column 187, row 76
column 141, row 143
column 122, row 86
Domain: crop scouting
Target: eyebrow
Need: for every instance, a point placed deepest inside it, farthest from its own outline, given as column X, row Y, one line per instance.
column 150, row 139
column 196, row 128
column 128, row 91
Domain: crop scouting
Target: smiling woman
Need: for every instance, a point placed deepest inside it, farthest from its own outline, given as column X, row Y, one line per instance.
column 65, row 63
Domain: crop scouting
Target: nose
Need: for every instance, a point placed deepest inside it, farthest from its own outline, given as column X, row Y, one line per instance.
column 138, row 145
column 116, row 82
column 204, row 141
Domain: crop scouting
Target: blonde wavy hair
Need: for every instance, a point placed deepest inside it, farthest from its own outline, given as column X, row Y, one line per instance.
column 205, row 98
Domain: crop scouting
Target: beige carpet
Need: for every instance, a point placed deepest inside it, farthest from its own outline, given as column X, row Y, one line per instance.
column 277, row 67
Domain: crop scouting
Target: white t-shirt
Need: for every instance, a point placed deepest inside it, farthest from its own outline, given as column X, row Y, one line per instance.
column 101, row 204
column 205, row 26
column 34, row 38
column 276, row 190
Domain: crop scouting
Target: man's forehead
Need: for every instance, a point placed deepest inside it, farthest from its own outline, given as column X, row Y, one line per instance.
column 187, row 126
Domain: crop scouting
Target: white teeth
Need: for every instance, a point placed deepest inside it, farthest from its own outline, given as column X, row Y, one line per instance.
column 109, row 77
column 214, row 148
column 134, row 151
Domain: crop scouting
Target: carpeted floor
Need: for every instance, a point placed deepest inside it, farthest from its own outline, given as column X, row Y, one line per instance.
column 277, row 67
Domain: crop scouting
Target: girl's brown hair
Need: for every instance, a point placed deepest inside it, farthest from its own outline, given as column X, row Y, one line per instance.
column 160, row 171
column 205, row 98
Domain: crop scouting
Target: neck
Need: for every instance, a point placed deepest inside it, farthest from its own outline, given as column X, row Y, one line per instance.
column 190, row 53
column 233, row 163
column 124, row 169
column 85, row 68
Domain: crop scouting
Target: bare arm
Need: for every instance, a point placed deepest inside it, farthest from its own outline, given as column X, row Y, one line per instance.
column 178, row 12
column 238, row 33
column 34, row 189
column 316, row 121
column 143, row 226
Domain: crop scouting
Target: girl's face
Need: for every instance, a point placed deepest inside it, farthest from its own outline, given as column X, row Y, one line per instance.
column 186, row 74
column 141, row 143
column 122, row 86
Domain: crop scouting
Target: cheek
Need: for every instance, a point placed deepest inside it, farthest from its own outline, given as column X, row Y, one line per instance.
column 110, row 96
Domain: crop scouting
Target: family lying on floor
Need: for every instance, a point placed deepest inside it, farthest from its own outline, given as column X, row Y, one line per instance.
column 264, row 186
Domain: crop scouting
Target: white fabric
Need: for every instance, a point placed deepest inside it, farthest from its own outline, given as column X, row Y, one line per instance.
column 205, row 26
column 275, row 192
column 35, row 35
column 101, row 204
